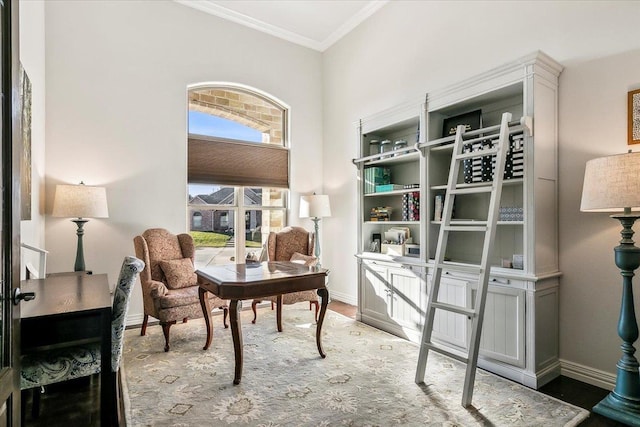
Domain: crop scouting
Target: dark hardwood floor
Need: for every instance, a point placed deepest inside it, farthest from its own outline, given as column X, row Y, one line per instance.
column 76, row 403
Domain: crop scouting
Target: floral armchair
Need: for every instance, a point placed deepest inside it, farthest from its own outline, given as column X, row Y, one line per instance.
column 290, row 244
column 169, row 283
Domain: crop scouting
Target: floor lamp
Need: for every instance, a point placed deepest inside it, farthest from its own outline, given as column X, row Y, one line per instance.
column 80, row 202
column 612, row 184
column 315, row 207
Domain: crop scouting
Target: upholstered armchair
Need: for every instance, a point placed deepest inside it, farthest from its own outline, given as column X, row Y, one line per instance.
column 169, row 283
column 290, row 244
column 43, row 368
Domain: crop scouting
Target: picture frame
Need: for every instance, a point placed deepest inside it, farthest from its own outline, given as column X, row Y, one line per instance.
column 25, row 172
column 472, row 121
column 633, row 120
column 376, row 242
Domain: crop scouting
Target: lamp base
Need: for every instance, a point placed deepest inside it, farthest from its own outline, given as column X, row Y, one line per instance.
column 79, row 265
column 618, row 408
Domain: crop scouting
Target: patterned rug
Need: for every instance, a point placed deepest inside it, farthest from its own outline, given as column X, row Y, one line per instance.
column 367, row 379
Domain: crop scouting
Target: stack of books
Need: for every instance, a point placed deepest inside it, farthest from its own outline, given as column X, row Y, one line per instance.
column 375, row 176
column 411, row 206
column 481, row 168
column 380, row 213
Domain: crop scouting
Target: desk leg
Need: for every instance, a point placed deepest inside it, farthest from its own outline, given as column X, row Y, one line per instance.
column 323, row 293
column 279, row 312
column 206, row 311
column 236, row 334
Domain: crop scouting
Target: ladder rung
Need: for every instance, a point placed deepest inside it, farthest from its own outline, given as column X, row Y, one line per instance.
column 485, row 152
column 447, row 351
column 455, row 309
column 472, row 190
column 466, row 227
column 461, row 268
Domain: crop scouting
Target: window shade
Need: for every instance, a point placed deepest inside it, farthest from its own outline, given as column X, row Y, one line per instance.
column 212, row 160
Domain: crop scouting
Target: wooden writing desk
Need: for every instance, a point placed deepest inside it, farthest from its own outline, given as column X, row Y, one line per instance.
column 71, row 310
column 237, row 282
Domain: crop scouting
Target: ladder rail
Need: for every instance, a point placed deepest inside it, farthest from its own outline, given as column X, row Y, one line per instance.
column 439, row 258
column 488, row 227
column 483, row 282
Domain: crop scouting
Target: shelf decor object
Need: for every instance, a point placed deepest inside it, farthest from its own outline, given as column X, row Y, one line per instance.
column 633, row 121
column 315, row 207
column 612, row 184
column 80, row 202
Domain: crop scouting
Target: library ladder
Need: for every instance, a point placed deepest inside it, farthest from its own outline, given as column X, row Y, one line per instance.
column 488, row 227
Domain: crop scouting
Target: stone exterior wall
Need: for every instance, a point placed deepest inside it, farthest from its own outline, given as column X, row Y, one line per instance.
column 244, row 108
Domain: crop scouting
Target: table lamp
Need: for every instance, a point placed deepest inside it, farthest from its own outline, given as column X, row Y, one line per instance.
column 315, row 207
column 612, row 184
column 80, row 202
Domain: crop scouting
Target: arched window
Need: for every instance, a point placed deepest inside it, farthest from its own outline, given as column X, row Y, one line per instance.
column 238, row 169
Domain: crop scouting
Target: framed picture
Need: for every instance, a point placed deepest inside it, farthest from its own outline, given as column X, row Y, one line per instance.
column 633, row 121
column 25, row 173
column 472, row 121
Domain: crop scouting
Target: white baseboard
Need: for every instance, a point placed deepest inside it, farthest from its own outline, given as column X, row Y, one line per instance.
column 342, row 297
column 587, row 374
column 135, row 320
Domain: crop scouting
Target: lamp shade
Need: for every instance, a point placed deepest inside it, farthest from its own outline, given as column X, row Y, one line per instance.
column 80, row 201
column 315, row 206
column 612, row 183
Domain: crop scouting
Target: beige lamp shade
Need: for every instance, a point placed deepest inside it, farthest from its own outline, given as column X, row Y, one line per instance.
column 80, row 201
column 612, row 183
column 315, row 206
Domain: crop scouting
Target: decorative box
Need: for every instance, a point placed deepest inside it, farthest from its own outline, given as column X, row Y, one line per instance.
column 388, row 187
column 391, row 249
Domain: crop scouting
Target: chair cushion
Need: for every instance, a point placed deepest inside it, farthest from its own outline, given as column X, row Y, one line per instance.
column 179, row 273
column 185, row 296
column 307, row 260
column 44, row 368
column 294, row 297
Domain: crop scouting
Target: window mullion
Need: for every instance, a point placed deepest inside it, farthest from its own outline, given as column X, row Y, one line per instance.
column 240, row 228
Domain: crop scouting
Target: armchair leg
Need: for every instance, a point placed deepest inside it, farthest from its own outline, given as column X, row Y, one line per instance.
column 225, row 313
column 184, row 320
column 255, row 313
column 143, row 330
column 166, row 326
column 317, row 307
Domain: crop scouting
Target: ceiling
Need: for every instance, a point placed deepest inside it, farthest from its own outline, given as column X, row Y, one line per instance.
column 316, row 24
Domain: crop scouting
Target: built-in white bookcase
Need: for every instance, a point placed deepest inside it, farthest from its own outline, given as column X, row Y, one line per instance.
column 521, row 301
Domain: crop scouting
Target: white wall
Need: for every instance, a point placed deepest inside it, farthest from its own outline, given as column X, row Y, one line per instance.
column 117, row 76
column 32, row 57
column 593, row 123
column 408, row 48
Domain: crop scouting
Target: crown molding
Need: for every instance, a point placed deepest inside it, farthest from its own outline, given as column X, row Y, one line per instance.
column 256, row 24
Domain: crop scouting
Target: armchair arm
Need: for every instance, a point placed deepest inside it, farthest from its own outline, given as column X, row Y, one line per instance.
column 155, row 289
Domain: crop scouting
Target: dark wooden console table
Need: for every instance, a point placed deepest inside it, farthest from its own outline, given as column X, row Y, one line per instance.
column 237, row 282
column 71, row 309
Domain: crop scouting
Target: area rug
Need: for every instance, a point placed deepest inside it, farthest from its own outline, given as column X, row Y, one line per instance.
column 367, row 379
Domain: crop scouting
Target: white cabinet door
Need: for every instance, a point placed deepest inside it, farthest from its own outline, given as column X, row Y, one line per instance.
column 376, row 291
column 451, row 328
column 503, row 331
column 408, row 297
